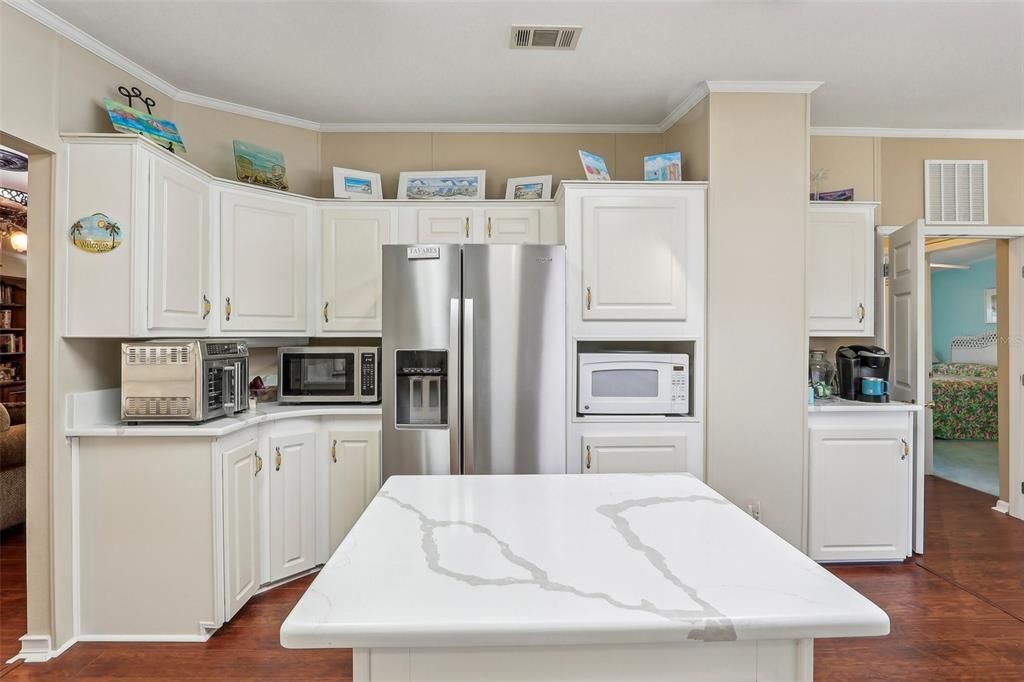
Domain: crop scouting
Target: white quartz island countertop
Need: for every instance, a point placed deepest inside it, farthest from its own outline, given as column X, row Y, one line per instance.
column 480, row 561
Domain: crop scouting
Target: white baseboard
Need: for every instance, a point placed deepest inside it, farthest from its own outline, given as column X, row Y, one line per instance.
column 144, row 638
column 36, row 649
column 1002, row 507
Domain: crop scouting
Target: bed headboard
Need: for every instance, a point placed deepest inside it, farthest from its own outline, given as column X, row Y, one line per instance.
column 981, row 349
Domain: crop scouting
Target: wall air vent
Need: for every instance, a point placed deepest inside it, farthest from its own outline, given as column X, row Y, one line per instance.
column 545, row 37
column 956, row 192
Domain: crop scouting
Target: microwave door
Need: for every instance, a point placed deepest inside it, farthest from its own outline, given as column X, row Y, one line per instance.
column 635, row 387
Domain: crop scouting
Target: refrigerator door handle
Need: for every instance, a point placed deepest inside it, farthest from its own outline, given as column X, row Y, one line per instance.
column 468, row 460
column 455, row 464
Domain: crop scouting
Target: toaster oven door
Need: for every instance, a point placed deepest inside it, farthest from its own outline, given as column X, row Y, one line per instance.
column 227, row 383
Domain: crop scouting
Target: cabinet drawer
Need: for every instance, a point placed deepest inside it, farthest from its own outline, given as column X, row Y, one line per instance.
column 640, row 454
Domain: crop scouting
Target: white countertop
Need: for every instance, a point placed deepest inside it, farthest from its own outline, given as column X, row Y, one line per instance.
column 96, row 414
column 843, row 405
column 566, row 559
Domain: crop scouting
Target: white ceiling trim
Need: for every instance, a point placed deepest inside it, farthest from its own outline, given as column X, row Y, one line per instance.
column 772, row 87
column 684, row 107
column 489, row 128
column 244, row 110
column 957, row 133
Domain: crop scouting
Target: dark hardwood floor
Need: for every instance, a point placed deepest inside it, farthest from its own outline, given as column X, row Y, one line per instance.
column 955, row 615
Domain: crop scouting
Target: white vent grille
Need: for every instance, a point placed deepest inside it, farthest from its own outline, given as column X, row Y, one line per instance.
column 158, row 407
column 545, row 37
column 956, row 192
column 157, row 355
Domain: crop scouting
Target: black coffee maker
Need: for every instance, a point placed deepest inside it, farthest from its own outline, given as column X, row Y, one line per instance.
column 856, row 363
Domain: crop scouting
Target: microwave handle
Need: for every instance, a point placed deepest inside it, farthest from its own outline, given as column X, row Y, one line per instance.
column 228, row 387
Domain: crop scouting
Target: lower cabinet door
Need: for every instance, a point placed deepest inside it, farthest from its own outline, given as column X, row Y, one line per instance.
column 292, row 504
column 354, row 479
column 242, row 469
column 634, row 454
column 859, row 499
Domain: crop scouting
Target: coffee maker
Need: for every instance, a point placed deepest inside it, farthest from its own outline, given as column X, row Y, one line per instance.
column 854, row 364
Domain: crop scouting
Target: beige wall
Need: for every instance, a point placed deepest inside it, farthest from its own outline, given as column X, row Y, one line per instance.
column 689, row 135
column 850, row 162
column 756, row 424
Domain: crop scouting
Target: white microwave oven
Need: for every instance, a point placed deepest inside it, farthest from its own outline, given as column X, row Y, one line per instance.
column 634, row 383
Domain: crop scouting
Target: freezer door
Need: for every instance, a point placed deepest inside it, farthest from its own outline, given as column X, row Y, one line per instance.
column 421, row 312
column 513, row 359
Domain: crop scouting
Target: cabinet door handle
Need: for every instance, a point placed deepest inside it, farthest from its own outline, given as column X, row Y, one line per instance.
column 861, row 312
column 259, row 463
column 277, row 459
column 588, row 298
column 207, row 307
column 905, row 450
column 588, row 456
column 227, row 309
column 334, row 452
column 326, row 319
column 467, row 228
column 488, row 227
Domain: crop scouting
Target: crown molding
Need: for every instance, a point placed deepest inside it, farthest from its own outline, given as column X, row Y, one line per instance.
column 771, row 87
column 952, row 133
column 245, row 110
column 683, row 108
column 488, row 128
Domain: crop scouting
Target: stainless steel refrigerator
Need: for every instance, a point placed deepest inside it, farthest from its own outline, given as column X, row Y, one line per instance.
column 473, row 359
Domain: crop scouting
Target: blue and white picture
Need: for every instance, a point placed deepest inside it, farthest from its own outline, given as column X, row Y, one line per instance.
column 358, row 186
column 663, row 167
column 260, row 165
column 441, row 185
column 594, row 166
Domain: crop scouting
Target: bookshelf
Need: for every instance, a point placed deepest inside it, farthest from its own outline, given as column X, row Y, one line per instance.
column 13, row 296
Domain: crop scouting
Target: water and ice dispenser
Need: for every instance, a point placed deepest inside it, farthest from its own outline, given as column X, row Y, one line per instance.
column 421, row 388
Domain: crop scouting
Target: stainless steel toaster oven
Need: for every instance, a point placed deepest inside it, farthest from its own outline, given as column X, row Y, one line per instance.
column 183, row 380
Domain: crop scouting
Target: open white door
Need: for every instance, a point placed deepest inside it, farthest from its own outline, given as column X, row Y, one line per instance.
column 1015, row 305
column 908, row 374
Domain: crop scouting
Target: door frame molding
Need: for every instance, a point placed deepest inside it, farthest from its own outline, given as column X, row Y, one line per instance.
column 1014, row 234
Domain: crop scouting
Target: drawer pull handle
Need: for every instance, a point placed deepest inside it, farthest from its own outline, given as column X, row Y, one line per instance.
column 326, row 319
column 227, row 309
column 334, row 452
column 277, row 460
column 588, row 456
column 207, row 307
column 488, row 227
column 905, row 450
column 589, row 298
column 259, row 463
column 467, row 228
column 861, row 312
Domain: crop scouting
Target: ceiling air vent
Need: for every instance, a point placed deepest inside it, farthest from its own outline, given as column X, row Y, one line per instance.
column 956, row 192
column 545, row 37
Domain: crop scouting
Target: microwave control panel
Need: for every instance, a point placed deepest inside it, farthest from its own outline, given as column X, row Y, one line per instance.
column 368, row 374
column 680, row 389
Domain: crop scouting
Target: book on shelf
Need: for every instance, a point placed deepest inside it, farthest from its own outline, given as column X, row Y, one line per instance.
column 6, row 319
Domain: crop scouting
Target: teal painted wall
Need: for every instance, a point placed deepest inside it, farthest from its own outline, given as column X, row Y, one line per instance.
column 958, row 304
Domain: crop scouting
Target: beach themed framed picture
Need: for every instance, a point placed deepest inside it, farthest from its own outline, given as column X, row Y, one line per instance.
column 594, row 166
column 356, row 184
column 531, row 187
column 663, row 167
column 128, row 120
column 441, row 185
column 260, row 165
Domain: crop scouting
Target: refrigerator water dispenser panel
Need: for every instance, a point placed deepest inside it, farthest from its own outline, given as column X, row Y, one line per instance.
column 421, row 388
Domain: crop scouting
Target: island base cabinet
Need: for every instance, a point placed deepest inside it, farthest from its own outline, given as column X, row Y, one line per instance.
column 859, row 502
column 354, row 468
column 780, row 660
column 292, row 504
column 242, row 468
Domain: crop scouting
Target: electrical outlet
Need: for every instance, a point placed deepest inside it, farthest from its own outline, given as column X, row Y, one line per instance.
column 754, row 509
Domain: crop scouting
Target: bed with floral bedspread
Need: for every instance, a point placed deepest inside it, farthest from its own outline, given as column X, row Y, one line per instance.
column 966, row 401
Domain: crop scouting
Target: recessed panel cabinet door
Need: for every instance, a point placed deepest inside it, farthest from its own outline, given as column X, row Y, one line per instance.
column 840, row 270
column 354, row 478
column 179, row 263
column 263, row 263
column 292, row 504
column 634, row 454
column 352, row 240
column 444, row 225
column 242, row 469
column 512, row 226
column 859, row 501
column 634, row 255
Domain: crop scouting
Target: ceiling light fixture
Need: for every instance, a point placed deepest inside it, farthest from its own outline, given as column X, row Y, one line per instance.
column 19, row 241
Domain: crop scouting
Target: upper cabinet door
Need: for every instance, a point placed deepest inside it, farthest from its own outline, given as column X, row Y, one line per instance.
column 444, row 225
column 351, row 293
column 634, row 251
column 512, row 226
column 179, row 262
column 840, row 270
column 263, row 263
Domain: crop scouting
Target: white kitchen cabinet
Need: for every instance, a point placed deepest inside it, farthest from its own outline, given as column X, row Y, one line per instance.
column 351, row 243
column 264, row 257
column 292, row 462
column 639, row 454
column 354, row 468
column 841, row 268
column 444, row 225
column 242, row 467
column 512, row 225
column 860, row 488
column 634, row 251
column 179, row 236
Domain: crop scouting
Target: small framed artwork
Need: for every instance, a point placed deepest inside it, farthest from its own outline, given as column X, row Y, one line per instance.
column 441, row 185
column 594, row 166
column 530, row 187
column 663, row 167
column 128, row 120
column 991, row 311
column 356, row 184
column 260, row 165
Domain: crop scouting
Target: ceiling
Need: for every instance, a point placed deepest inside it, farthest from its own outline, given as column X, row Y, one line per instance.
column 965, row 253
column 887, row 64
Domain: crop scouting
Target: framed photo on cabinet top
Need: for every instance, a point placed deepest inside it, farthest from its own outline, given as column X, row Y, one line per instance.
column 356, row 184
column 441, row 185
column 531, row 187
column 594, row 166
